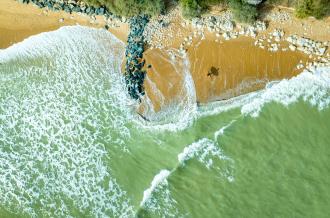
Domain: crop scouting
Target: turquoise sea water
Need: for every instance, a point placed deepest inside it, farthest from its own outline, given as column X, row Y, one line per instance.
column 71, row 144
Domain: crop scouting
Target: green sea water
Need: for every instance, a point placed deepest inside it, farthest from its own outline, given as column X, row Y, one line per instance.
column 71, row 144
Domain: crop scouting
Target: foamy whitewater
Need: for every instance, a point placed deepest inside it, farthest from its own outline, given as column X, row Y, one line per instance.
column 50, row 156
column 72, row 145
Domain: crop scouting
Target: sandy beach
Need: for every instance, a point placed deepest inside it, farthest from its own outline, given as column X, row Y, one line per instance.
column 240, row 66
column 19, row 21
column 220, row 68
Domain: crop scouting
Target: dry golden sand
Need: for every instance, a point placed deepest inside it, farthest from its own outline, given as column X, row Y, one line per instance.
column 19, row 21
column 238, row 66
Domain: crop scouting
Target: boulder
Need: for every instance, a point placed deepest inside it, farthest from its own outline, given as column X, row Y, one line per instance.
column 253, row 2
column 227, row 26
column 292, row 47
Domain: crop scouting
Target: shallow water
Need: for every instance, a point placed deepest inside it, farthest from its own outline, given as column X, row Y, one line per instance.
column 71, row 144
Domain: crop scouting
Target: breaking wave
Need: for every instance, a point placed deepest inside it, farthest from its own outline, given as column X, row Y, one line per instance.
column 157, row 198
column 312, row 87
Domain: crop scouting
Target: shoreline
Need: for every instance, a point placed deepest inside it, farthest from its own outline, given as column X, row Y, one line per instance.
column 227, row 59
column 19, row 21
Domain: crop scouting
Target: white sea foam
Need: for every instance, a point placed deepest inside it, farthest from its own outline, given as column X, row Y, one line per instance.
column 221, row 131
column 62, row 102
column 312, row 87
column 218, row 107
column 157, row 198
column 159, row 179
column 206, row 152
column 203, row 150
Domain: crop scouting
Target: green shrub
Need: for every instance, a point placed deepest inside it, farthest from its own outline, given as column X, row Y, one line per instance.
column 287, row 3
column 191, row 8
column 304, row 8
column 129, row 8
column 243, row 12
column 316, row 8
column 194, row 8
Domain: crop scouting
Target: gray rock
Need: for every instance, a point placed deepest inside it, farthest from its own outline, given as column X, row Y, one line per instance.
column 253, row 2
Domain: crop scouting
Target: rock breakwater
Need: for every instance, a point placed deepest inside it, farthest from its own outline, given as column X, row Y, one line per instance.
column 134, row 73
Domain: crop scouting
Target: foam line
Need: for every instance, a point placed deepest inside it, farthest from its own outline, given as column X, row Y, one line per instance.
column 160, row 178
column 312, row 87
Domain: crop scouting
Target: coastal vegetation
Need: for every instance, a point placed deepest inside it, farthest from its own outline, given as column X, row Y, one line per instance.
column 243, row 10
column 247, row 10
column 194, row 8
column 316, row 8
column 130, row 8
column 306, row 8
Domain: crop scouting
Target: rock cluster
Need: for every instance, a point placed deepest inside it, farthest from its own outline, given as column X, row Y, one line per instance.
column 308, row 46
column 246, row 30
column 134, row 73
column 218, row 23
column 321, row 62
column 271, row 42
column 279, row 16
column 69, row 6
column 79, row 7
column 252, row 30
column 223, row 25
column 161, row 30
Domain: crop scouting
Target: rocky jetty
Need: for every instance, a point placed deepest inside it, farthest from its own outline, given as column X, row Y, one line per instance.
column 134, row 73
